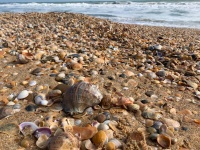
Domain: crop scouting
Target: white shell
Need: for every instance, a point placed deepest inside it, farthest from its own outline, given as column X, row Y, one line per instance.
column 39, row 98
column 11, row 103
column 44, row 102
column 23, row 94
column 116, row 142
column 32, row 83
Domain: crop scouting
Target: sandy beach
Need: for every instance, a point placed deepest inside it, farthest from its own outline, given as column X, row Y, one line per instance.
column 146, row 84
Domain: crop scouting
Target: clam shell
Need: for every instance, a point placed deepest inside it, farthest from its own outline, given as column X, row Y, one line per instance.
column 32, row 83
column 42, row 141
column 42, row 131
column 116, row 142
column 87, row 145
column 171, row 122
column 164, row 140
column 63, row 141
column 23, row 94
column 27, row 128
column 99, row 139
column 81, row 96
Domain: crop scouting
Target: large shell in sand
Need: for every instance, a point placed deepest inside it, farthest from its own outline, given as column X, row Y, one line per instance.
column 81, row 96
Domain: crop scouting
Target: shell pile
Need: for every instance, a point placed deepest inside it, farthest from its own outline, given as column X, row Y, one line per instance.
column 72, row 81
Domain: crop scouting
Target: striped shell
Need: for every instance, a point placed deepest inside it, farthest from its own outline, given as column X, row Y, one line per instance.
column 81, row 96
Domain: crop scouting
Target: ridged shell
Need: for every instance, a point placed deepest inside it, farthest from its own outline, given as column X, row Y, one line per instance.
column 81, row 96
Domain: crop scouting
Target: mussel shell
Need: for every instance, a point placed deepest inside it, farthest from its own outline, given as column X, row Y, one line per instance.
column 81, row 96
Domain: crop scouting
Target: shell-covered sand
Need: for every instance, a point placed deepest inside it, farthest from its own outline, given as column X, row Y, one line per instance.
column 148, row 74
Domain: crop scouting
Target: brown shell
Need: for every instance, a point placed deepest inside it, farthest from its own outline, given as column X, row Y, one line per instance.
column 64, row 141
column 81, row 96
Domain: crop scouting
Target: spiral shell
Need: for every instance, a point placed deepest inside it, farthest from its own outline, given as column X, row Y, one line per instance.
column 81, row 96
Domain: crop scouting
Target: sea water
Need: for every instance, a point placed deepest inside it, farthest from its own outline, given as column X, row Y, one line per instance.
column 172, row 13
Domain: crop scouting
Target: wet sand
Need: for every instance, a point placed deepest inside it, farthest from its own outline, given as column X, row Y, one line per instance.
column 156, row 68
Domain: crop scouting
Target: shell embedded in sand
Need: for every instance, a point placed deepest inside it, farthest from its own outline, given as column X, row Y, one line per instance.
column 164, row 140
column 81, row 96
column 25, row 57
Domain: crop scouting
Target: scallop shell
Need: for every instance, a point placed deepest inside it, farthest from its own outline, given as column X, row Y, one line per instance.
column 81, row 96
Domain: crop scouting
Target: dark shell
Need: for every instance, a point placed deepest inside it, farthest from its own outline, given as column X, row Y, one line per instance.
column 81, row 96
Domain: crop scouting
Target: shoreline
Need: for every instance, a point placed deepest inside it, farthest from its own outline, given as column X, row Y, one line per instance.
column 149, row 76
column 176, row 27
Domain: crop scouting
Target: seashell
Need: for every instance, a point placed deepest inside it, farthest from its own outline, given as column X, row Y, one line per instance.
column 44, row 102
column 109, row 134
column 27, row 128
column 63, row 141
column 153, row 136
column 164, row 140
column 106, row 102
column 60, row 76
column 76, row 66
column 81, row 96
column 171, row 122
column 116, row 142
column 87, row 145
column 42, row 141
column 123, row 101
column 6, row 111
column 39, row 98
column 36, row 71
column 84, row 133
column 25, row 57
column 110, row 146
column 42, row 131
column 23, row 94
column 32, row 83
column 103, row 126
column 133, row 107
column 99, row 139
column 101, row 118
column 27, row 142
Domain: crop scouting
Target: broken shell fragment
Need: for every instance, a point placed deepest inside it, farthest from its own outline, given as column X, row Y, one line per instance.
column 27, row 128
column 81, row 96
column 25, row 57
column 84, row 133
column 164, row 140
column 42, row 141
